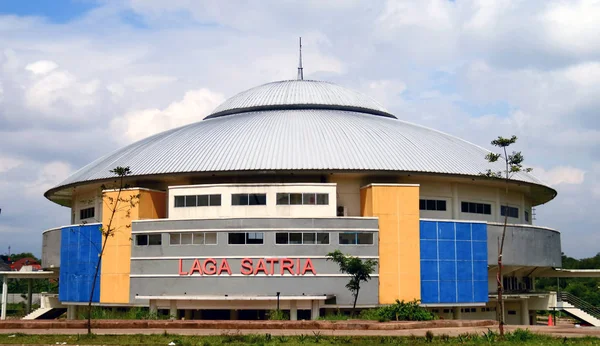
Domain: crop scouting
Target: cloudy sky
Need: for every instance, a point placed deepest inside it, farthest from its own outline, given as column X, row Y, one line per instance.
column 78, row 77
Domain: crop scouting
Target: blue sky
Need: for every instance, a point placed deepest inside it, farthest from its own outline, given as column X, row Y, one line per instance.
column 73, row 73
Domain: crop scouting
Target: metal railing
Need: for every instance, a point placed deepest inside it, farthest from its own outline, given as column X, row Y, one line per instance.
column 579, row 303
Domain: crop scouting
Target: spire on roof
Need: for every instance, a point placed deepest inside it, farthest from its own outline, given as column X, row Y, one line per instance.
column 300, row 69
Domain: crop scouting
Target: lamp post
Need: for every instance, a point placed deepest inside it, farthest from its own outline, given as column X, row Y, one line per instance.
column 278, row 301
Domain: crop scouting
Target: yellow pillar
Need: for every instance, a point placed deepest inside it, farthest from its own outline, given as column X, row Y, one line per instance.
column 397, row 207
column 116, row 260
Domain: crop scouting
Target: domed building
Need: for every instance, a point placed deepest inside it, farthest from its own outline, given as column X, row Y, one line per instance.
column 235, row 215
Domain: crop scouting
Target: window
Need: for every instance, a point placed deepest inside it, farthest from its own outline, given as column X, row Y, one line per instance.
column 302, row 199
column 148, row 239
column 197, row 201
column 86, row 213
column 246, row 238
column 512, row 211
column 196, row 238
column 249, row 199
column 298, row 238
column 526, row 216
column 476, row 208
column 356, row 238
column 432, row 204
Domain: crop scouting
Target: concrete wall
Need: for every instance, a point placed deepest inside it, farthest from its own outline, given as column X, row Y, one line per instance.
column 51, row 248
column 525, row 246
column 155, row 270
column 271, row 209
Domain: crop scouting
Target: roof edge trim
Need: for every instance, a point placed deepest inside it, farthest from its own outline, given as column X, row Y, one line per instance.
column 300, row 106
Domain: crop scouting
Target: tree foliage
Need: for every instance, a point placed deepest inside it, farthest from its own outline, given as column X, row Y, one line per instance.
column 359, row 271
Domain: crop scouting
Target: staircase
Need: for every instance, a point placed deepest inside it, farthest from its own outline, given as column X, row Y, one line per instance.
column 50, row 308
column 579, row 308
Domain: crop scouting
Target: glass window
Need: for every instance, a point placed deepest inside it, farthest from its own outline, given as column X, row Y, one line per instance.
column 281, row 238
column 283, row 199
column 210, row 238
column 295, row 198
column 323, row 238
column 155, row 239
column 309, row 198
column 254, row 238
column 141, row 239
column 431, row 205
column 174, row 238
column 237, row 238
column 364, row 238
column 190, row 201
column 479, row 208
column 487, row 209
column 239, row 199
column 214, row 200
column 295, row 238
column 322, row 199
column 347, row 238
column 257, row 199
column 309, row 238
column 441, row 205
column 527, row 216
column 202, row 200
column 464, row 207
column 476, row 208
column 86, row 213
column 179, row 201
column 422, row 204
column 198, row 238
column 186, row 238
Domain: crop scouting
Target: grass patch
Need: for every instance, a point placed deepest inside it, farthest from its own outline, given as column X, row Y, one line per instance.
column 518, row 337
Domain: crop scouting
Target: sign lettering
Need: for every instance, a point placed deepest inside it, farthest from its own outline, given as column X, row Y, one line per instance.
column 265, row 266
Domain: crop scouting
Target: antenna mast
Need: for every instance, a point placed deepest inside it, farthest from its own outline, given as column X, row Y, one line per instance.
column 300, row 69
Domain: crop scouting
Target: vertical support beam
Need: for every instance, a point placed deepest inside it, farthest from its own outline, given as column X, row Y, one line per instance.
column 525, row 312
column 72, row 312
column 173, row 309
column 29, row 293
column 455, row 202
column 456, row 314
column 153, row 307
column 293, row 310
column 4, row 296
column 314, row 310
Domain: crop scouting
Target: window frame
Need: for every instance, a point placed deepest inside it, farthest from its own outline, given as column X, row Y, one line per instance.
column 302, row 232
column 510, row 209
column 436, row 204
column 193, row 233
column 84, row 210
column 299, row 198
column 248, row 199
column 356, row 238
column 148, row 236
column 177, row 200
column 476, row 206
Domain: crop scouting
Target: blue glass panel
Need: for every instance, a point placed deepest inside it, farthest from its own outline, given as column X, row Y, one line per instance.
column 481, row 291
column 429, row 292
column 428, row 250
column 428, row 230
column 463, row 250
column 479, row 251
column 463, row 231
column 479, row 231
column 429, row 270
column 447, row 291
column 464, row 270
column 447, row 251
column 446, row 230
column 447, row 270
column 480, row 271
column 465, row 291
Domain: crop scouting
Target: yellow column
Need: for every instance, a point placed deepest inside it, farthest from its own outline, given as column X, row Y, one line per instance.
column 116, row 260
column 397, row 207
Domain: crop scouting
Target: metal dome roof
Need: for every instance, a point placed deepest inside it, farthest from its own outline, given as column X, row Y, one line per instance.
column 339, row 138
column 299, row 94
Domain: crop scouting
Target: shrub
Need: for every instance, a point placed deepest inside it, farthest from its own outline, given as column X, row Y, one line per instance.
column 278, row 315
column 400, row 311
column 337, row 316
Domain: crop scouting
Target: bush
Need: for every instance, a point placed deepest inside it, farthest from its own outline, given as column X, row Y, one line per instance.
column 337, row 316
column 400, row 311
column 278, row 315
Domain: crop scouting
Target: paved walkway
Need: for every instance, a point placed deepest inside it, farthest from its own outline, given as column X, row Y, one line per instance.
column 567, row 331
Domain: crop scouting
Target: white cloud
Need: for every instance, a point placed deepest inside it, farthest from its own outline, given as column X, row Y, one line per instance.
column 196, row 105
column 574, row 25
column 8, row 163
column 41, row 67
column 48, row 176
column 560, row 175
column 147, row 83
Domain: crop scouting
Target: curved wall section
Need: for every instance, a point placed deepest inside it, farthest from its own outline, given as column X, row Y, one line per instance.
column 51, row 248
column 525, row 245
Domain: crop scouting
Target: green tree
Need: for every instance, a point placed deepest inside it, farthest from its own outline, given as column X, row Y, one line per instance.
column 114, row 205
column 358, row 270
column 513, row 164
